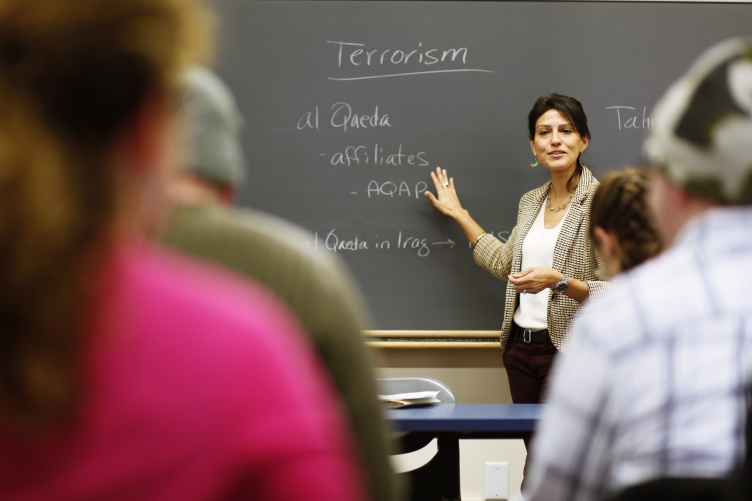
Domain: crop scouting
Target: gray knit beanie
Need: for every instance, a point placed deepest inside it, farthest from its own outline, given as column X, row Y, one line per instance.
column 703, row 125
column 213, row 125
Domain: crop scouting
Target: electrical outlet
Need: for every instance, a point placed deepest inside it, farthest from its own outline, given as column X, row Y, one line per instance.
column 497, row 480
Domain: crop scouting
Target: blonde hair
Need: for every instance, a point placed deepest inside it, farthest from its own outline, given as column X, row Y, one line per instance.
column 620, row 207
column 73, row 74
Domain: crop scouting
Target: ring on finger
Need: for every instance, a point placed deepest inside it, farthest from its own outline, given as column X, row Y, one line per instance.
column 445, row 183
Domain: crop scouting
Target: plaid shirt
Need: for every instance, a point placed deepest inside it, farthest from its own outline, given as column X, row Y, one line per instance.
column 654, row 383
column 574, row 255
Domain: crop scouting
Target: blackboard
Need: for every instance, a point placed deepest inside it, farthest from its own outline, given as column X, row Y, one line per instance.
column 350, row 104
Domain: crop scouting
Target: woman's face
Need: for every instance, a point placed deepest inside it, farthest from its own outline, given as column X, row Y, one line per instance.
column 556, row 142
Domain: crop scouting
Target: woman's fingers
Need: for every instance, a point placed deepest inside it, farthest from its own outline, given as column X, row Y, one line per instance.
column 437, row 180
column 530, row 280
column 445, row 200
column 521, row 282
column 440, row 177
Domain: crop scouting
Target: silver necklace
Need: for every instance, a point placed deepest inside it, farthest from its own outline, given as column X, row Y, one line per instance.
column 548, row 203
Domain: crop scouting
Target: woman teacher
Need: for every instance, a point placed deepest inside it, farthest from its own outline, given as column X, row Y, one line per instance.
column 549, row 259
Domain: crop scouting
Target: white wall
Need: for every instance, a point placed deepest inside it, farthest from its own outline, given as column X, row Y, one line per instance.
column 475, row 375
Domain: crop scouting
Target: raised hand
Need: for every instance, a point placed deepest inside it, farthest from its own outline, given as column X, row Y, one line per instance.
column 445, row 200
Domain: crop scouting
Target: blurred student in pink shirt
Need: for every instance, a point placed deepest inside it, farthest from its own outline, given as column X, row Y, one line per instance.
column 126, row 372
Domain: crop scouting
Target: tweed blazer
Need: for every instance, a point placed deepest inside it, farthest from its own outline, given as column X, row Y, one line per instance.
column 574, row 254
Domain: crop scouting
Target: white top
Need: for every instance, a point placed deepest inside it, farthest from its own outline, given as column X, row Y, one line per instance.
column 537, row 250
column 655, row 378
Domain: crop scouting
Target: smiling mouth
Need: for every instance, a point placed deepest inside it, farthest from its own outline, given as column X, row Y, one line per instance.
column 557, row 152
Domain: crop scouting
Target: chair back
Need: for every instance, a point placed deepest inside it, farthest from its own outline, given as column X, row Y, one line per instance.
column 434, row 476
column 392, row 385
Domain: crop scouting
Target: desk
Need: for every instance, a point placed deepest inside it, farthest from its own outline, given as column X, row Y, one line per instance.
column 451, row 422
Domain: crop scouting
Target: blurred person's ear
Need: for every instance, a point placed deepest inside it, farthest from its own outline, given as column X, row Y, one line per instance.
column 607, row 245
column 227, row 194
column 186, row 188
column 147, row 158
column 150, row 141
column 672, row 206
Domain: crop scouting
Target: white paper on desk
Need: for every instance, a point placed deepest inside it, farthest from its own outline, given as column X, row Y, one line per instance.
column 410, row 399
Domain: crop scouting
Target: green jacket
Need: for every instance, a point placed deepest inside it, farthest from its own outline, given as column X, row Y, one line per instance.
column 318, row 288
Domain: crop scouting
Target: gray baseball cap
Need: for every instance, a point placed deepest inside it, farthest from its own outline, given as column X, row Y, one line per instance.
column 213, row 125
column 703, row 125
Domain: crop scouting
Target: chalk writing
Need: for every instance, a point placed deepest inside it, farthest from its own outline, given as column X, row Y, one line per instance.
column 363, row 155
column 344, row 117
column 394, row 189
column 421, row 246
column 353, row 155
column 354, row 54
column 335, row 243
column 627, row 119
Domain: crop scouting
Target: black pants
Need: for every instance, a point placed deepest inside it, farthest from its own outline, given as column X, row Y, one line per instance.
column 528, row 365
